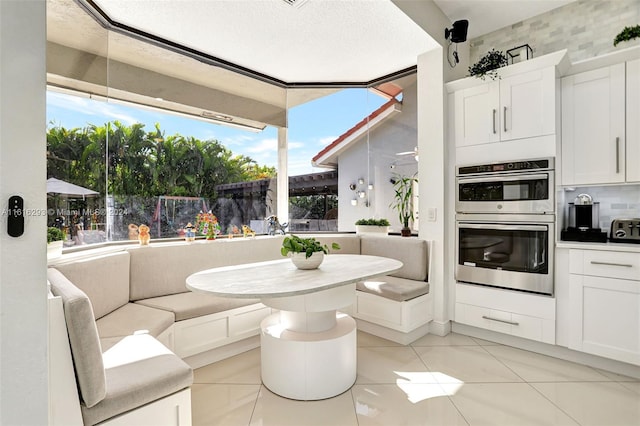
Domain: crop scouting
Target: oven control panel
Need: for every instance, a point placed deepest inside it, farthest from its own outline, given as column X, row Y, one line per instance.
column 512, row 166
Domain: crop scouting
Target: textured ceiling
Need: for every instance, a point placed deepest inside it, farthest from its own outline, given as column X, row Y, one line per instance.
column 320, row 41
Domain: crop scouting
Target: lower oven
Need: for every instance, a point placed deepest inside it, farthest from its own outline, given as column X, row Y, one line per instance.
column 507, row 251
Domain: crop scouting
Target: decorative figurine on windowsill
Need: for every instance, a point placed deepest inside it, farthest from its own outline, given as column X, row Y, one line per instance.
column 144, row 236
column 248, row 231
column 207, row 224
column 274, row 226
column 189, row 233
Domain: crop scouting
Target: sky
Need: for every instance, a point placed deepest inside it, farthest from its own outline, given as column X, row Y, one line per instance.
column 312, row 126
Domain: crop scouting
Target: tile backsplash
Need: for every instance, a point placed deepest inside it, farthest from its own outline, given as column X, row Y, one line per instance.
column 586, row 28
column 616, row 202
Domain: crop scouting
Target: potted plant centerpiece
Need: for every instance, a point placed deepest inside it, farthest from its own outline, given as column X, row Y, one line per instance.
column 55, row 240
column 305, row 253
column 372, row 226
column 403, row 201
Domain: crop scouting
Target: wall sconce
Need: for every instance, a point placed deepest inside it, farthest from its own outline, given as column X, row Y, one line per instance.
column 360, row 181
column 370, row 187
column 361, row 194
column 354, row 202
column 352, row 187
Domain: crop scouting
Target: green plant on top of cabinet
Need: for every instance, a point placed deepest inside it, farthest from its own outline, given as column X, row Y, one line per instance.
column 600, row 145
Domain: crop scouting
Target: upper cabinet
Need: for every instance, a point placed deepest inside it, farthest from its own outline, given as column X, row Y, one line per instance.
column 593, row 126
column 633, row 121
column 515, row 107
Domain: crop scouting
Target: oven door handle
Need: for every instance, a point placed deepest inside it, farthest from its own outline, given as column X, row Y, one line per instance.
column 503, row 178
column 503, row 227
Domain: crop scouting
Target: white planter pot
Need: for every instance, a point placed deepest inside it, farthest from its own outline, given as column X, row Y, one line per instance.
column 371, row 229
column 303, row 262
column 54, row 249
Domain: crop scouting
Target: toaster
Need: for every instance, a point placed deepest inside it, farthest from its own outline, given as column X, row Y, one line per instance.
column 625, row 231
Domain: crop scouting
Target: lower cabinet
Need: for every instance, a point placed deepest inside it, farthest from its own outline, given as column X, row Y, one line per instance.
column 518, row 314
column 605, row 304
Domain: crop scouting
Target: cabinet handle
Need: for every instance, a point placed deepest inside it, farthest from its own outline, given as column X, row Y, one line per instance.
column 618, row 155
column 494, row 121
column 625, row 265
column 499, row 320
column 504, row 118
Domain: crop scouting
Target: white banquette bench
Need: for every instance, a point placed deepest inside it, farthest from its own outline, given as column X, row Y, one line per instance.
column 116, row 309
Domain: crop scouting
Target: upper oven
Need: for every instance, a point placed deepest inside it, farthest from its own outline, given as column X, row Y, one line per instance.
column 520, row 187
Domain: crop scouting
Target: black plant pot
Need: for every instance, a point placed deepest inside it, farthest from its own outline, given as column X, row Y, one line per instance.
column 405, row 232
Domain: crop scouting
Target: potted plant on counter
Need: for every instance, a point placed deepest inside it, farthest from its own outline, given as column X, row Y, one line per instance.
column 55, row 240
column 403, row 201
column 372, row 226
column 305, row 253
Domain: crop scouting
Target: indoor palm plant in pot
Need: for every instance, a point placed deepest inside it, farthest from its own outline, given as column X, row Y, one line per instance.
column 372, row 226
column 305, row 253
column 55, row 240
column 403, row 201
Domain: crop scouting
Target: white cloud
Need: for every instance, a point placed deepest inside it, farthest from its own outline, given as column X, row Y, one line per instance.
column 326, row 140
column 90, row 107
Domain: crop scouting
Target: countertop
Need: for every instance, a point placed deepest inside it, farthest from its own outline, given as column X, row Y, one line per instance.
column 625, row 247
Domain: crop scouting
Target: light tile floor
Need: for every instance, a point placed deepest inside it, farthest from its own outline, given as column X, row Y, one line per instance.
column 452, row 380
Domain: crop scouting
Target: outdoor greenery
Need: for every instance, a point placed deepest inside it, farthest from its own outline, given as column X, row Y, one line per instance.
column 628, row 33
column 488, row 64
column 295, row 244
column 403, row 198
column 373, row 222
column 145, row 163
column 54, row 234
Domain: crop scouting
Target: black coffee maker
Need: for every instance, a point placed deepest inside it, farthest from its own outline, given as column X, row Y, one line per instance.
column 584, row 221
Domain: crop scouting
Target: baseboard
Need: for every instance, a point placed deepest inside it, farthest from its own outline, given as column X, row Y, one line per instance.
column 393, row 335
column 440, row 328
column 223, row 352
column 555, row 351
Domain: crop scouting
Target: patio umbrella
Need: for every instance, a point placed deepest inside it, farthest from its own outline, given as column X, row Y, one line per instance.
column 57, row 186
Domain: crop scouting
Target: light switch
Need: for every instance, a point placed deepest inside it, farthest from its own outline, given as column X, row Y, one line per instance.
column 431, row 214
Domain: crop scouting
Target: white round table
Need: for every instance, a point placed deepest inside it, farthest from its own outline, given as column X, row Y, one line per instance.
column 308, row 348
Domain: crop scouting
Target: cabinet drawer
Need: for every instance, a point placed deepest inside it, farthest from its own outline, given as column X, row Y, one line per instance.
column 505, row 322
column 611, row 264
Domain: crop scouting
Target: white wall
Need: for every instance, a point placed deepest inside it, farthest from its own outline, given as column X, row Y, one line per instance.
column 23, row 289
column 371, row 158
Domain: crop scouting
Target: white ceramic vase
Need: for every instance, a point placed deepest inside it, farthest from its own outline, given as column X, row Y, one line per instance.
column 303, row 262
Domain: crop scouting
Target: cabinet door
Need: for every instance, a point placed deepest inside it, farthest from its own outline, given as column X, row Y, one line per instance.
column 605, row 317
column 477, row 118
column 593, row 126
column 527, row 105
column 633, row 121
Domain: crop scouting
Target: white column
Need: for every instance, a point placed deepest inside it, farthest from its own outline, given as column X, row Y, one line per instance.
column 431, row 175
column 23, row 284
column 283, row 176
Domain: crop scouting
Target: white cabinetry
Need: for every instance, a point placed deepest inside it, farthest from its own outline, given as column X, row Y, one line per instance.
column 593, row 132
column 633, row 121
column 505, row 311
column 516, row 107
column 605, row 303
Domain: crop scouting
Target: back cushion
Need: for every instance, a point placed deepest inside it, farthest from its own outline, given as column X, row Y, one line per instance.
column 412, row 252
column 104, row 279
column 83, row 338
column 159, row 270
column 349, row 244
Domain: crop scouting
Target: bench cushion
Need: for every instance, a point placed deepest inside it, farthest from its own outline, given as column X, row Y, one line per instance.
column 83, row 338
column 412, row 252
column 132, row 317
column 150, row 276
column 190, row 305
column 394, row 288
column 105, row 279
column 150, row 372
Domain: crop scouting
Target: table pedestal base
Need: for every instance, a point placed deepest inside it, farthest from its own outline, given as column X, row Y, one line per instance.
column 308, row 365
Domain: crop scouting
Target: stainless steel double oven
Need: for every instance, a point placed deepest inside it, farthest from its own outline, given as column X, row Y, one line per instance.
column 505, row 225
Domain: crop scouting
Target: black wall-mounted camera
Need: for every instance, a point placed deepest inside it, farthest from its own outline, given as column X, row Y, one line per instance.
column 457, row 34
